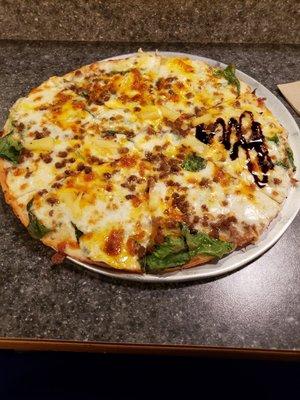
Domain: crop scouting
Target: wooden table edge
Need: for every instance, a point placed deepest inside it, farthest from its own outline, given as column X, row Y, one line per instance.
column 148, row 349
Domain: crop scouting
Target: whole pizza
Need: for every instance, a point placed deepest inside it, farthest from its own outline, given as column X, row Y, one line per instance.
column 145, row 164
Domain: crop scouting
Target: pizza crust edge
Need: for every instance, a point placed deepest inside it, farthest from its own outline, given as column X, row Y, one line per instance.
column 9, row 198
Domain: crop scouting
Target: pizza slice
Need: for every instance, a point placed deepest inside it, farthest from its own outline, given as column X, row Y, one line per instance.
column 100, row 217
column 37, row 155
column 219, row 211
column 245, row 139
column 188, row 189
column 151, row 87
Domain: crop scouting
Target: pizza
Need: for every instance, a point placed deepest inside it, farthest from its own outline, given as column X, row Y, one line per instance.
column 145, row 164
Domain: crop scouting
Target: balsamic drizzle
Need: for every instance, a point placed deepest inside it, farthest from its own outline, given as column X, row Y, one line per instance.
column 256, row 142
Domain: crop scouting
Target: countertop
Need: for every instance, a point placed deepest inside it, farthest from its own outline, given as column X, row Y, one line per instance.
column 257, row 306
column 201, row 21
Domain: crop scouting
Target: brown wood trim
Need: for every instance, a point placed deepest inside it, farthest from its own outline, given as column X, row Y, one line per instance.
column 148, row 349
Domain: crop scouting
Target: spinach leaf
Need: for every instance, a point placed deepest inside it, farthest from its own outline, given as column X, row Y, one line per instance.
column 290, row 157
column 274, row 139
column 171, row 245
column 152, row 263
column 175, row 251
column 194, row 163
column 288, row 161
column 229, row 74
column 172, row 252
column 282, row 163
column 78, row 232
column 201, row 243
column 36, row 229
column 10, row 148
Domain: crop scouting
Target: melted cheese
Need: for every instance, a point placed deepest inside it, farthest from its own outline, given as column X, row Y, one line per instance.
column 93, row 245
column 89, row 136
column 43, row 144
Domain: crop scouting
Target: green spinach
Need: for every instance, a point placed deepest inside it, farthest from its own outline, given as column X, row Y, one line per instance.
column 193, row 163
column 229, row 74
column 201, row 243
column 290, row 157
column 36, row 229
column 175, row 251
column 78, row 232
column 288, row 161
column 10, row 148
column 274, row 139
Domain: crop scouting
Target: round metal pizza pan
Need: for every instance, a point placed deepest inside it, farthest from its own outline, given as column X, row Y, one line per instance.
column 276, row 229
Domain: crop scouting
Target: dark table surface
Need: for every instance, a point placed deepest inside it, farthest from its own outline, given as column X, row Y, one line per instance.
column 257, row 306
column 201, row 21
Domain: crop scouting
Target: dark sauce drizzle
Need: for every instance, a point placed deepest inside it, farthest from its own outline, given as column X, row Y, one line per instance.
column 256, row 142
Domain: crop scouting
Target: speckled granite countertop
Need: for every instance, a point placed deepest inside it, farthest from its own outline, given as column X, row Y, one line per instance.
column 201, row 21
column 257, row 306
